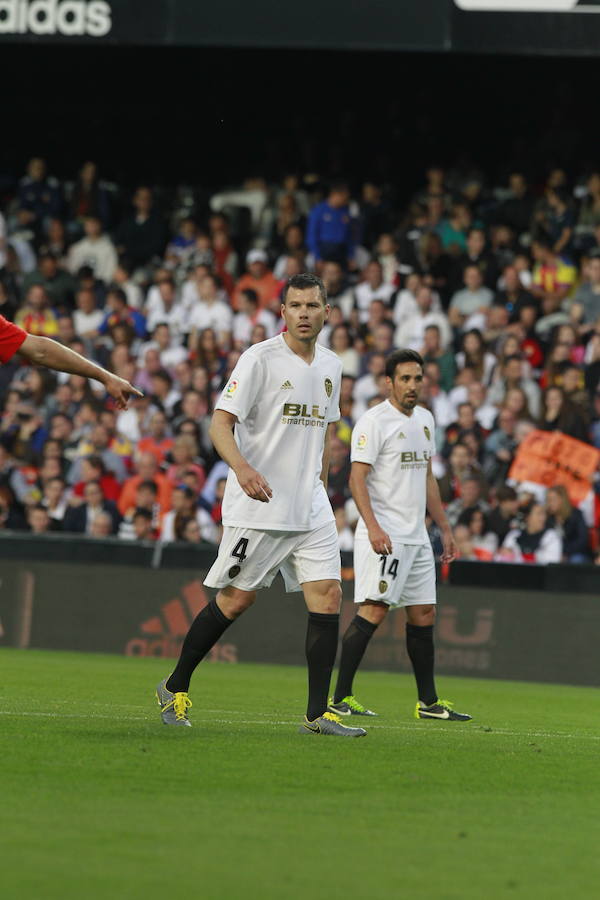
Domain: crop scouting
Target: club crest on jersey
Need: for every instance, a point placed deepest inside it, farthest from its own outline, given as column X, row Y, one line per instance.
column 383, row 586
column 328, row 387
column 231, row 388
column 427, row 432
column 362, row 441
column 402, row 436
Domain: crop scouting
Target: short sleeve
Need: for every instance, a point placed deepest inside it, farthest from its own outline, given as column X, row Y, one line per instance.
column 366, row 441
column 11, row 338
column 334, row 413
column 241, row 391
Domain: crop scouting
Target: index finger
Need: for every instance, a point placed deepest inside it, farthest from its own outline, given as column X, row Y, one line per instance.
column 132, row 390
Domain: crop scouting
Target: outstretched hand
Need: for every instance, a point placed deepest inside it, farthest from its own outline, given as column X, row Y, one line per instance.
column 120, row 390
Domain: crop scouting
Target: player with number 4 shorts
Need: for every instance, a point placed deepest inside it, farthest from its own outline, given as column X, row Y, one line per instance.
column 393, row 486
column 273, row 425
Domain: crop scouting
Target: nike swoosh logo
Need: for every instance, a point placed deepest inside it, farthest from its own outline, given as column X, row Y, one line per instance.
column 431, row 715
column 310, row 728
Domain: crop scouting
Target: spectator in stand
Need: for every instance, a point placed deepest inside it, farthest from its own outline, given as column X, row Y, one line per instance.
column 459, row 468
column 87, row 318
column 387, row 256
column 330, row 232
column 570, row 524
column 432, row 351
column 341, row 345
column 248, row 316
column 475, row 254
column 118, row 313
column 145, row 496
column 101, row 526
column 559, row 414
column 58, row 284
column 142, row 236
column 39, row 520
column 453, row 230
column 185, row 508
column 373, row 287
column 585, row 306
column 503, row 517
column 517, row 210
column 167, row 310
column 553, row 278
column 90, row 197
column 97, row 445
column 513, row 295
column 260, row 279
column 210, row 312
column 499, row 449
column 158, row 441
column 511, row 378
column 185, row 458
column 92, row 469
column 80, row 519
column 469, row 306
column 146, row 469
column 535, row 543
column 122, row 279
column 471, row 490
column 39, row 196
column 557, row 221
column 474, row 354
column 95, row 250
column 54, row 499
column 482, row 542
column 411, row 332
column 143, row 527
column 36, row 316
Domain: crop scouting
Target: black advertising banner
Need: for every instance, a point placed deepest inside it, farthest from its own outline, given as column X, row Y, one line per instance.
column 551, row 27
column 146, row 612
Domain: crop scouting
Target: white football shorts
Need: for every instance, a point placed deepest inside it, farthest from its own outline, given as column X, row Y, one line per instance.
column 406, row 577
column 250, row 559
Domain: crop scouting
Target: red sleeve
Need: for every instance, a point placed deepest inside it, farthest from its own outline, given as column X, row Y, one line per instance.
column 11, row 338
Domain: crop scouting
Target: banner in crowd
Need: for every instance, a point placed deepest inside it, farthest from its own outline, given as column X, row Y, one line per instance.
column 503, row 26
column 145, row 612
column 550, row 457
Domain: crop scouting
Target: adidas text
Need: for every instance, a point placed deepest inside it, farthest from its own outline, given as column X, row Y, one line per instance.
column 68, row 17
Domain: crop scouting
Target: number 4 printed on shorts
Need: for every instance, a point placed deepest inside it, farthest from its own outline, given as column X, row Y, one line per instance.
column 239, row 551
column 392, row 568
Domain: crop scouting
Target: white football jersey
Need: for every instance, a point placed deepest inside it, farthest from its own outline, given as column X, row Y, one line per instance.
column 398, row 449
column 283, row 406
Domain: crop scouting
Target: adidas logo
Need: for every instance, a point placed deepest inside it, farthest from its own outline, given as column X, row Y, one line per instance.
column 71, row 17
column 163, row 634
column 402, row 436
column 286, row 386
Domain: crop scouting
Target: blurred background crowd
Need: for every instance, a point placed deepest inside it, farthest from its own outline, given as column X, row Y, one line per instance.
column 497, row 285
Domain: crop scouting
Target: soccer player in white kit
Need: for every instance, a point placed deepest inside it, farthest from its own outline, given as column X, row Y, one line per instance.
column 393, row 486
column 273, row 425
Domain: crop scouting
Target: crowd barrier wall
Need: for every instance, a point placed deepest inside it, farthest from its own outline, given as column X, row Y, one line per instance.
column 496, row 621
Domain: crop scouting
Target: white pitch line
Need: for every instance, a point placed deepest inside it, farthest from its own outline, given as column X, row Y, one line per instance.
column 275, row 723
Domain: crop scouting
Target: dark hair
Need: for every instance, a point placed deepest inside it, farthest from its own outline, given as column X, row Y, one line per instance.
column 304, row 282
column 250, row 295
column 149, row 486
column 119, row 293
column 402, row 356
column 505, row 492
column 142, row 513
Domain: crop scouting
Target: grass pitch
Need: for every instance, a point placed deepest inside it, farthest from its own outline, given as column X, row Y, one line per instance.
column 100, row 800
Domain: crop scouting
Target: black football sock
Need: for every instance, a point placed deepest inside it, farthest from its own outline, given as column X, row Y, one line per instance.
column 419, row 643
column 354, row 643
column 205, row 631
column 321, row 647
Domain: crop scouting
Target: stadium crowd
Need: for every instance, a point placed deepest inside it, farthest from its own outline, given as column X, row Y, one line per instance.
column 497, row 286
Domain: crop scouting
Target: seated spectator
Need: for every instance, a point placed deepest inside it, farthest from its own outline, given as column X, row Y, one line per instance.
column 95, row 250
column 87, row 318
column 102, row 526
column 122, row 279
column 465, row 423
column 474, row 354
column 453, row 230
column 158, row 441
column 39, row 195
column 143, row 528
column 512, row 376
column 499, row 449
column 167, row 310
column 39, row 521
column 475, row 254
column 93, row 469
column 411, row 332
column 142, row 235
column 553, row 278
column 503, row 517
column 146, row 469
column 209, row 311
column 341, row 345
column 80, row 519
column 432, row 351
column 513, row 295
column 569, row 523
column 387, row 254
column 559, row 414
column 35, row 316
column 185, row 507
column 339, row 292
column 471, row 490
column 469, row 305
column 54, row 499
column 145, row 496
column 248, row 316
column 485, row 412
column 97, row 444
column 535, row 543
column 330, row 231
column 259, row 278
column 483, row 542
column 58, row 284
column 185, row 459
column 118, row 313
column 373, row 287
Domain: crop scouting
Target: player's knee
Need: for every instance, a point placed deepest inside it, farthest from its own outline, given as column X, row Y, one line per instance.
column 421, row 615
column 233, row 602
column 374, row 612
column 328, row 600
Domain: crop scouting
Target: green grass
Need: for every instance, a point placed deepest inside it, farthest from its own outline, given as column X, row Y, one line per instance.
column 99, row 800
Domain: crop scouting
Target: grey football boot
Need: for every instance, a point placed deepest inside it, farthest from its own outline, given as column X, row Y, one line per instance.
column 173, row 707
column 329, row 723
